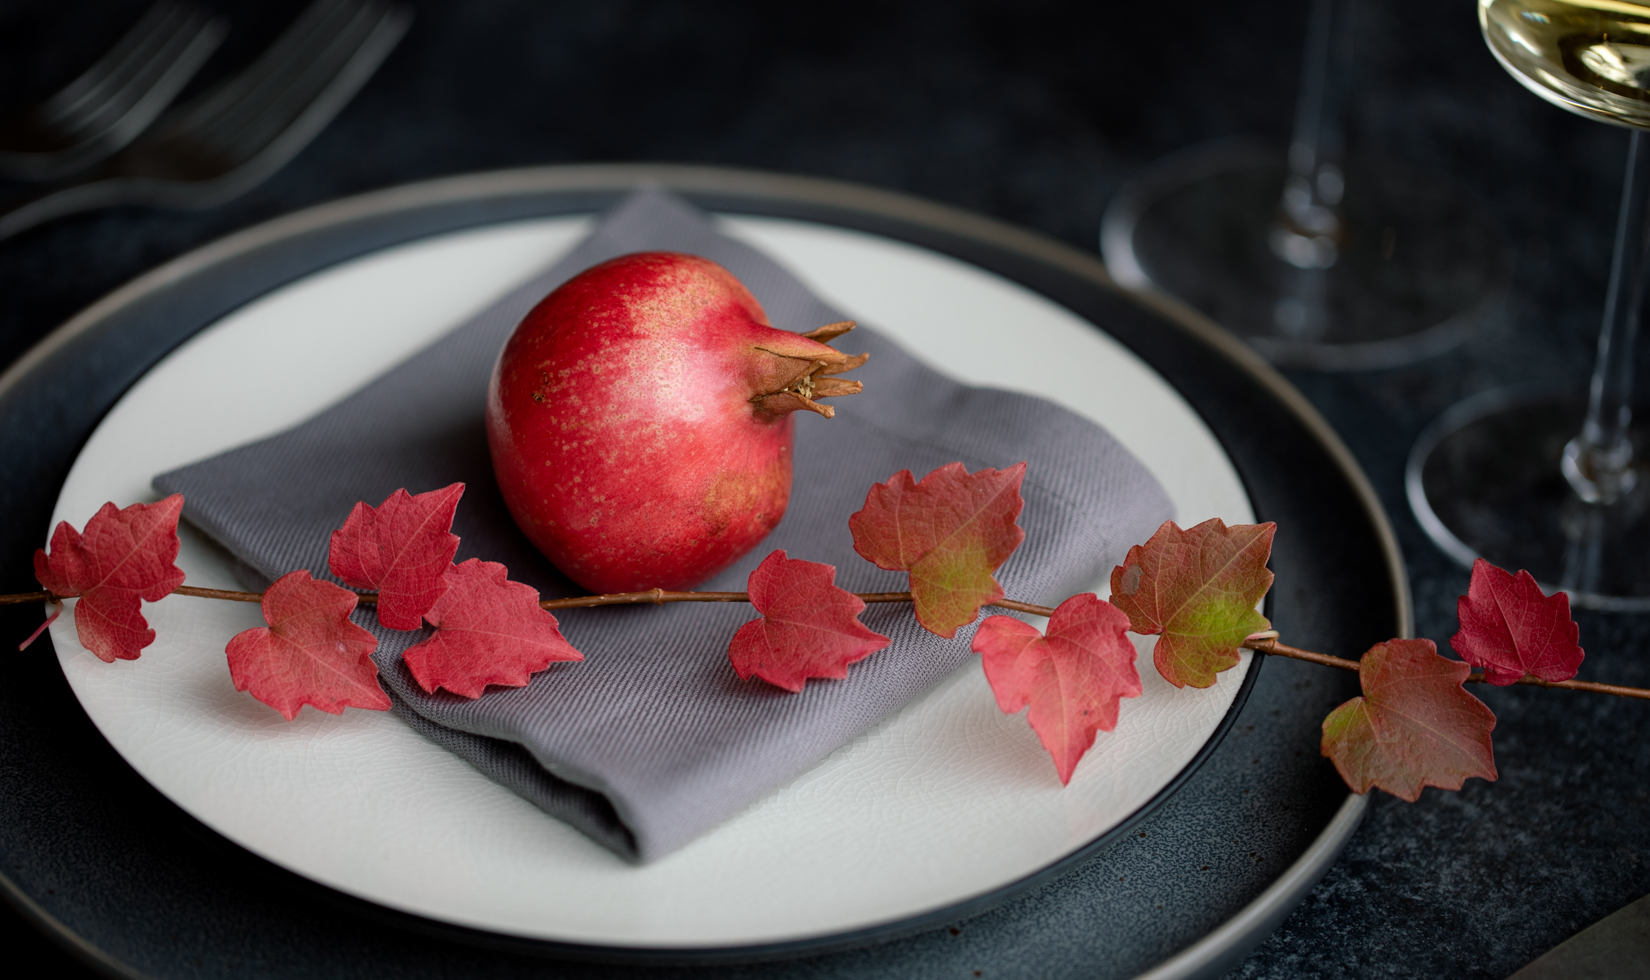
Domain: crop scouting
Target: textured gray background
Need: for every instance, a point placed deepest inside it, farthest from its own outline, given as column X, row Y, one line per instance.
column 1034, row 112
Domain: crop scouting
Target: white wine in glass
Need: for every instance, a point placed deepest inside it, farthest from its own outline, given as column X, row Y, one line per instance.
column 1588, row 56
column 1535, row 480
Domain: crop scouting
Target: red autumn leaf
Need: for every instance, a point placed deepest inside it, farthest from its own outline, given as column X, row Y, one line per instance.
column 124, row 556
column 1074, row 678
column 809, row 627
column 950, row 531
column 310, row 653
column 488, row 630
column 401, row 549
column 1198, row 588
column 1414, row 726
column 1511, row 628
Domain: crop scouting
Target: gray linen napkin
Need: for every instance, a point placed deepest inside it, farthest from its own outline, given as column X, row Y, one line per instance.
column 653, row 739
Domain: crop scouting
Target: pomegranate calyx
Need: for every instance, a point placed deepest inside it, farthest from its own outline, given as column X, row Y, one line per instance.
column 830, row 331
column 802, row 392
column 816, row 379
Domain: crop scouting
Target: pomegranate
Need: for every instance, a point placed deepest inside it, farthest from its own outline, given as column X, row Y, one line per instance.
column 640, row 420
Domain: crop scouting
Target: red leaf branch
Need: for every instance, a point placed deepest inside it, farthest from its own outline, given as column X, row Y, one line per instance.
column 310, row 653
column 1413, row 726
column 1197, row 589
column 402, row 549
column 1512, row 629
column 809, row 627
column 488, row 630
column 124, row 556
column 950, row 531
column 1267, row 644
column 1074, row 678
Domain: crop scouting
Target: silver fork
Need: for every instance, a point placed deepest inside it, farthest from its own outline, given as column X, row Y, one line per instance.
column 232, row 138
column 116, row 99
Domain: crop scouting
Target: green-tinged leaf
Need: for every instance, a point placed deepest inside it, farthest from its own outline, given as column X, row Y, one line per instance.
column 1414, row 726
column 950, row 532
column 1198, row 588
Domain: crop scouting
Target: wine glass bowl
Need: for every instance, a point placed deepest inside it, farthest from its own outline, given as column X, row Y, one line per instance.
column 1599, row 48
column 1400, row 265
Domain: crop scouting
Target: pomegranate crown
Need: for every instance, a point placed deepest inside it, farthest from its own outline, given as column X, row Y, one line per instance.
column 800, row 378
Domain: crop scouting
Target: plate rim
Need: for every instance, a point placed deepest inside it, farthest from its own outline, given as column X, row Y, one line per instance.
column 780, row 190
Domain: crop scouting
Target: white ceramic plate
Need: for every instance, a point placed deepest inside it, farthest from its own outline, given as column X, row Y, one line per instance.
column 947, row 801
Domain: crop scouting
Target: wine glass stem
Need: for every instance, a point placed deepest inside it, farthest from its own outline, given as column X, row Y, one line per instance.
column 1306, row 233
column 1315, row 142
column 1598, row 461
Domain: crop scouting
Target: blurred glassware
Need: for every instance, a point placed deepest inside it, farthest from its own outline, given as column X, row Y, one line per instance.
column 233, row 137
column 1357, row 263
column 1545, row 479
column 116, row 99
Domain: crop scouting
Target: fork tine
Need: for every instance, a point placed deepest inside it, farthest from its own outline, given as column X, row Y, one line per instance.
column 114, row 100
column 260, row 118
column 181, row 163
column 314, row 25
column 380, row 27
column 169, row 65
column 86, row 93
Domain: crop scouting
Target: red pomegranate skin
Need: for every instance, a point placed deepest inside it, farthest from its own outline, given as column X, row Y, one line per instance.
column 628, row 428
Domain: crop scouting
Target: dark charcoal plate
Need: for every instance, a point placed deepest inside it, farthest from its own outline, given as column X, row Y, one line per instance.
column 136, row 885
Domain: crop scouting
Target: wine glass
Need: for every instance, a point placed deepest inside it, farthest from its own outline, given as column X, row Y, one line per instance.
column 1317, row 258
column 1539, row 478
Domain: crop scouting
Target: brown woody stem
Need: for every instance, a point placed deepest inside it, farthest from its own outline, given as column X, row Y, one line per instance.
column 1267, row 642
column 1270, row 644
column 22, row 597
column 227, row 594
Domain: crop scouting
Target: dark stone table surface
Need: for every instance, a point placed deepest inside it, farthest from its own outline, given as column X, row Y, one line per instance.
column 1033, row 112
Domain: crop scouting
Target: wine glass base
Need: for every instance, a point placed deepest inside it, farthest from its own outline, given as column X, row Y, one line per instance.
column 1418, row 268
column 1484, row 481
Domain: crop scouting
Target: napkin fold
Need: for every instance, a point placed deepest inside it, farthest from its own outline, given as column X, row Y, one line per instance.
column 653, row 739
